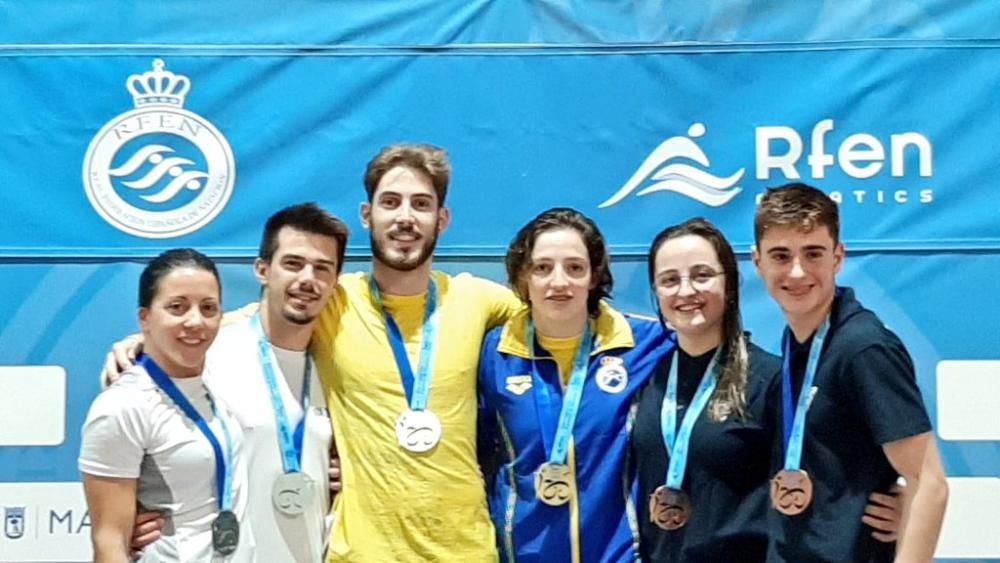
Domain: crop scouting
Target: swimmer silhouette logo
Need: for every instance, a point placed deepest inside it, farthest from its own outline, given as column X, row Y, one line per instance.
column 665, row 174
column 158, row 170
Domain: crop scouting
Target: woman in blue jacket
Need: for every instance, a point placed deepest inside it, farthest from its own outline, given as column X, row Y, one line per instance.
column 557, row 384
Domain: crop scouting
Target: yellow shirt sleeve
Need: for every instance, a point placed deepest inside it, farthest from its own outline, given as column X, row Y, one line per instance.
column 500, row 301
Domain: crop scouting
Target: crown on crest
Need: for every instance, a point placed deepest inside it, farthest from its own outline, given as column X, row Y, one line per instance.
column 158, row 87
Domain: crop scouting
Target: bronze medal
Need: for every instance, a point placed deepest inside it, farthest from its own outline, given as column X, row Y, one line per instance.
column 552, row 483
column 669, row 508
column 791, row 491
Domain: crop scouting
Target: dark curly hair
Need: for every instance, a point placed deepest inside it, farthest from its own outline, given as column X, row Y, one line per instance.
column 518, row 258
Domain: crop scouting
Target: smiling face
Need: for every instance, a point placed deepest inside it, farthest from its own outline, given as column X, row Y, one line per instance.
column 300, row 277
column 558, row 279
column 690, row 286
column 404, row 219
column 182, row 320
column 798, row 267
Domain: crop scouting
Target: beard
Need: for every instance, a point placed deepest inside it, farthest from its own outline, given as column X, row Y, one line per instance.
column 403, row 262
column 294, row 315
column 297, row 317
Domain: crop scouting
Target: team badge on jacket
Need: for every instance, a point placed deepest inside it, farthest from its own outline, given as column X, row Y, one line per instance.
column 518, row 384
column 612, row 377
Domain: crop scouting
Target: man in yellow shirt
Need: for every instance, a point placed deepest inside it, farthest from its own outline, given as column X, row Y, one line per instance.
column 397, row 350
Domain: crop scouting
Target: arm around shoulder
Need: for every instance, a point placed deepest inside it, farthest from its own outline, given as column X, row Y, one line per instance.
column 501, row 303
column 121, row 357
column 237, row 315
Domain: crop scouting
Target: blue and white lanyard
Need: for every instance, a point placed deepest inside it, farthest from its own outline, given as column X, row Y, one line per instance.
column 223, row 471
column 555, row 441
column 793, row 430
column 677, row 442
column 416, row 385
column 289, row 441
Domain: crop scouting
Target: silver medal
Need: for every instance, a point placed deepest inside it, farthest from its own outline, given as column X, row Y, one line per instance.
column 418, row 431
column 225, row 533
column 292, row 493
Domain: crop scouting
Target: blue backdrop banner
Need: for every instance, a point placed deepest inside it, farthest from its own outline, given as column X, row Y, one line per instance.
column 132, row 148
column 129, row 129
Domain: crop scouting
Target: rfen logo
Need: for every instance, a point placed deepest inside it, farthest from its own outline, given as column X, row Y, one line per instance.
column 860, row 155
column 780, row 155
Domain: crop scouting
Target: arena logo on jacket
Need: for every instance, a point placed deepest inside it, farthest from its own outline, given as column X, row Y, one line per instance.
column 518, row 384
column 158, row 170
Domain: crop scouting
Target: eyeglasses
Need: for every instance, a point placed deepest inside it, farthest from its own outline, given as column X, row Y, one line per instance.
column 670, row 284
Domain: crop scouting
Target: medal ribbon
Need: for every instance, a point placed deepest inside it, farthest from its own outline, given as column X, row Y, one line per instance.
column 793, row 429
column 289, row 441
column 677, row 442
column 223, row 471
column 416, row 387
column 558, row 446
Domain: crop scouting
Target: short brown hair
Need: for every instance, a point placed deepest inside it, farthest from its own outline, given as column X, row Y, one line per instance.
column 796, row 205
column 308, row 218
column 518, row 260
column 429, row 159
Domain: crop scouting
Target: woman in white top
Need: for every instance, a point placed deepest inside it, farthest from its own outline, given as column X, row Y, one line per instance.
column 158, row 440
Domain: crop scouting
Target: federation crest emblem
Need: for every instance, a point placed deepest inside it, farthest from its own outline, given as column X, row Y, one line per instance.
column 13, row 522
column 612, row 377
column 158, row 171
column 518, row 384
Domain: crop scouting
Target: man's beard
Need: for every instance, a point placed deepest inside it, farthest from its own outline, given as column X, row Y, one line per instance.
column 293, row 315
column 297, row 317
column 403, row 264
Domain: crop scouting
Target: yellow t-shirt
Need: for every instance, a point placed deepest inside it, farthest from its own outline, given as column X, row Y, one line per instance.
column 396, row 505
column 562, row 350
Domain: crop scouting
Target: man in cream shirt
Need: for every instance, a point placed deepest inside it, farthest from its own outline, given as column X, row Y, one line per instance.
column 298, row 262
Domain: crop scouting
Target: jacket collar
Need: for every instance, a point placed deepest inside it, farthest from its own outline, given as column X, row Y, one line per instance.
column 610, row 330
